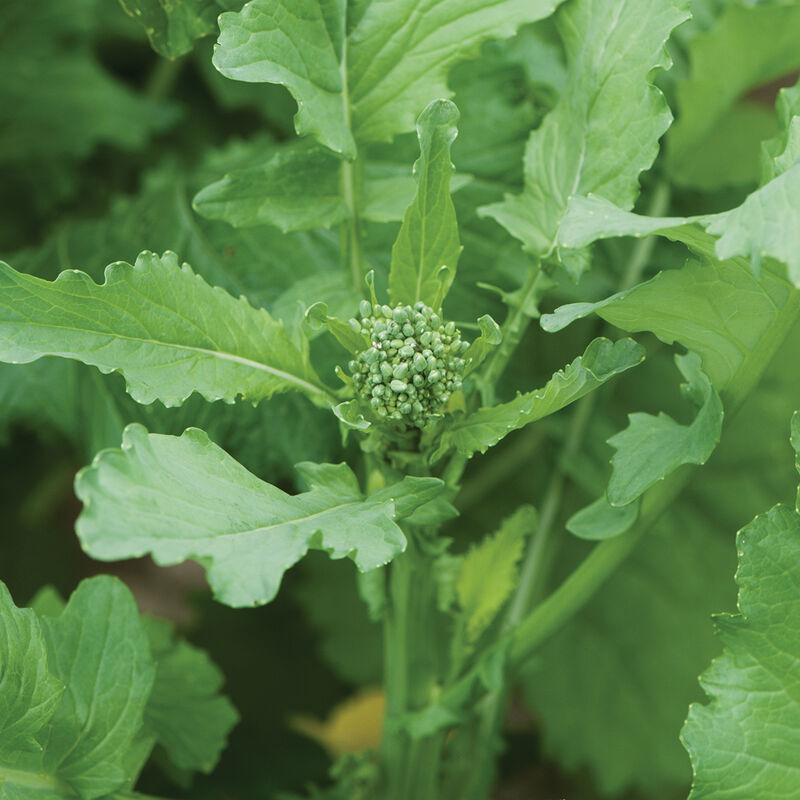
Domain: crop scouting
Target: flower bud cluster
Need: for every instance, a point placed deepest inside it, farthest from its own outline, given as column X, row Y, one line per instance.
column 414, row 363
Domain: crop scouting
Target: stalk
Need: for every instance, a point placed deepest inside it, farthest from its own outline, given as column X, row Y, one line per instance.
column 411, row 673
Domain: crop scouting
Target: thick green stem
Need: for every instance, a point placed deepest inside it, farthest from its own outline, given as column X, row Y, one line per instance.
column 411, row 673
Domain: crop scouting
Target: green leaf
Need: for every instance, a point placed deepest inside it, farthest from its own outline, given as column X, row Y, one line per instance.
column 173, row 25
column 88, row 741
column 601, row 520
column 604, row 130
column 296, row 189
column 719, row 310
column 178, row 334
column 611, row 688
column 400, row 52
column 742, row 739
column 184, row 498
column 352, row 340
column 713, row 99
column 489, row 572
column 490, row 337
column 650, row 448
column 98, row 649
column 29, row 694
column 766, row 224
column 299, row 44
column 428, row 239
column 601, row 361
column 185, row 711
column 781, row 153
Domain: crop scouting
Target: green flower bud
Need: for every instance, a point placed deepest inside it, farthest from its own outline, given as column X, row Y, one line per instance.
column 414, row 365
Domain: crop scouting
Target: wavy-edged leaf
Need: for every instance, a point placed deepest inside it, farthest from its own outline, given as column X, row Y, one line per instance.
column 297, row 189
column 765, row 225
column 605, row 128
column 650, row 448
column 489, row 338
column 782, row 152
column 488, row 573
column 173, row 25
column 299, row 44
column 601, row 361
column 744, row 739
column 428, row 239
column 719, row 310
column 185, row 710
column 181, row 498
column 163, row 327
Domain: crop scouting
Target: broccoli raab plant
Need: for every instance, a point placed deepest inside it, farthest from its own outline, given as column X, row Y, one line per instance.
column 310, row 361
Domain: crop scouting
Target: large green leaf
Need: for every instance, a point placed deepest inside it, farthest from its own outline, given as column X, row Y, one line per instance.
column 482, row 429
column 177, row 334
column 719, row 310
column 183, row 497
column 605, row 128
column 298, row 188
column 428, row 239
column 652, row 447
column 745, row 741
column 372, row 86
column 716, row 138
column 29, row 694
column 300, row 44
column 401, row 50
column 88, row 742
column 97, row 691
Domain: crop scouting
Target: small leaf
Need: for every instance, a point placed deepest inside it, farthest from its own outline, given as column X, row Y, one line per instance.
column 185, row 711
column 601, row 520
column 297, row 189
column 488, row 573
column 490, row 337
column 428, row 238
column 353, row 341
column 650, row 448
column 184, row 498
column 484, row 428
column 299, row 44
column 173, row 27
column 178, row 335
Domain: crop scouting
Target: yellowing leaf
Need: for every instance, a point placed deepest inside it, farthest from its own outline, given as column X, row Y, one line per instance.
column 489, row 572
